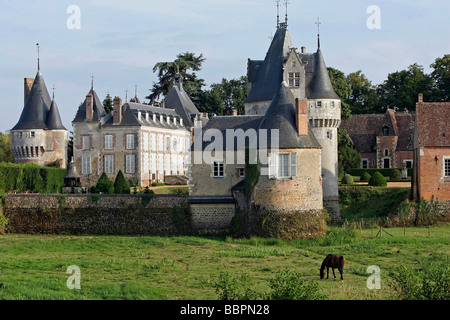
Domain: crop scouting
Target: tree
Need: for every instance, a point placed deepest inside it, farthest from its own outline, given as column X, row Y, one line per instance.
column 184, row 63
column 348, row 157
column 120, row 184
column 401, row 89
column 225, row 96
column 108, row 103
column 441, row 77
column 104, row 185
column 6, row 154
column 363, row 97
column 342, row 89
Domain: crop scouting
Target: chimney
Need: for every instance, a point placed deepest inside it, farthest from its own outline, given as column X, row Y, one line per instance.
column 301, row 116
column 28, row 83
column 89, row 107
column 303, row 49
column 234, row 112
column 420, row 97
column 117, row 110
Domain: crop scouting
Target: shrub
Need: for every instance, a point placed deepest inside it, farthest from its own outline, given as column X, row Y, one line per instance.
column 104, row 185
column 377, row 180
column 365, row 176
column 289, row 285
column 120, row 184
column 396, row 175
column 347, row 179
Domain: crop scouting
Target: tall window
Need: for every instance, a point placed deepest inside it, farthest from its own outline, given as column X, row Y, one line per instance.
column 130, row 141
column 168, row 144
column 145, row 162
column 294, row 79
column 446, row 167
column 108, row 142
column 145, row 142
column 86, row 142
column 153, row 141
column 160, row 142
column 109, row 164
column 218, row 169
column 86, row 165
column 385, row 131
column 130, row 163
column 283, row 165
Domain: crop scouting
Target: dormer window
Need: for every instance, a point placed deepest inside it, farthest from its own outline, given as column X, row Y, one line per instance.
column 294, row 79
column 319, row 104
column 385, row 131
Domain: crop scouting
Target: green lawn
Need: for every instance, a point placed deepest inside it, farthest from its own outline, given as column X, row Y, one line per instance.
column 172, row 268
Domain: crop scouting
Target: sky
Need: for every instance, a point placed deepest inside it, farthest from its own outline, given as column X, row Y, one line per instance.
column 119, row 42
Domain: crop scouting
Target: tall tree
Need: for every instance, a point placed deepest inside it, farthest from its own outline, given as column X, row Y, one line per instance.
column 108, row 103
column 401, row 89
column 225, row 96
column 6, row 154
column 348, row 157
column 441, row 77
column 185, row 64
column 363, row 97
column 342, row 89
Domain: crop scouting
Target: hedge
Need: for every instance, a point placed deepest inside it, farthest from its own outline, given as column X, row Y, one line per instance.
column 30, row 177
column 386, row 172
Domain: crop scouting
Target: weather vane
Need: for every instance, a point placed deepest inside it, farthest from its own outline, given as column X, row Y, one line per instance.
column 278, row 13
column 38, row 48
column 318, row 32
column 286, row 2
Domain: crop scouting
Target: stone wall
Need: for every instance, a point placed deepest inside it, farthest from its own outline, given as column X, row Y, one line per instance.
column 94, row 214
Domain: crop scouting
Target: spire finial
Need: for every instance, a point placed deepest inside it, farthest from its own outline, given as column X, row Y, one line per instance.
column 53, row 88
column 92, row 82
column 38, row 49
column 126, row 95
column 278, row 13
column 135, row 91
column 318, row 32
column 286, row 2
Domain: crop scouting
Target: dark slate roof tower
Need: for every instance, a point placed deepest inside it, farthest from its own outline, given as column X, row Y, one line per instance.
column 54, row 119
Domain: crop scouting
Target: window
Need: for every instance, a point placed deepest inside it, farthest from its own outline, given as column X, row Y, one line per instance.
column 446, row 167
column 145, row 142
column 386, row 152
column 130, row 163
column 241, row 172
column 108, row 142
column 294, row 79
column 218, row 170
column 86, row 142
column 385, row 131
column 364, row 163
column 86, row 165
column 130, row 141
column 297, row 79
column 319, row 104
column 386, row 163
column 145, row 162
column 32, row 134
column 408, row 164
column 283, row 165
column 160, row 142
column 332, row 104
column 168, row 144
column 109, row 164
column 153, row 142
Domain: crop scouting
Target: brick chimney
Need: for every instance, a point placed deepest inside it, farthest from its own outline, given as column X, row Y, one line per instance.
column 301, row 116
column 28, row 83
column 89, row 106
column 303, row 49
column 117, row 110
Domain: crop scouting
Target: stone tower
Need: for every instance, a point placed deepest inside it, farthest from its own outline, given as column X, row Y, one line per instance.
column 39, row 136
column 307, row 77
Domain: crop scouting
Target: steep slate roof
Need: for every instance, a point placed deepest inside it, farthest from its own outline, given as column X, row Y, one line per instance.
column 433, row 126
column 281, row 116
column 54, row 119
column 179, row 100
column 269, row 73
column 320, row 86
column 363, row 129
column 34, row 113
column 99, row 111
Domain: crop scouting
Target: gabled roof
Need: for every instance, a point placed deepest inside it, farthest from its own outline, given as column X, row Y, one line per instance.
column 179, row 100
column 34, row 113
column 433, row 126
column 54, row 119
column 99, row 110
column 270, row 72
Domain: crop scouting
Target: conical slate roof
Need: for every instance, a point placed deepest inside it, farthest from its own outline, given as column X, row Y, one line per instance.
column 281, row 116
column 34, row 113
column 320, row 86
column 270, row 73
column 53, row 118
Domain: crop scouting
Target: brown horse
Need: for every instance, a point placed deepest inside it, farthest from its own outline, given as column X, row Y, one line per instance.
column 332, row 261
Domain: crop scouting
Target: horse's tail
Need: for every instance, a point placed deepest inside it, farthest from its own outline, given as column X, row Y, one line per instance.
column 342, row 262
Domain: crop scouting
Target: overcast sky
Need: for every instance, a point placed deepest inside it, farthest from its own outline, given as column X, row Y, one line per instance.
column 119, row 42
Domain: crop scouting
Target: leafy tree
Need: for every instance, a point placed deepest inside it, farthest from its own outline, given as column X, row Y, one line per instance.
column 120, row 184
column 185, row 64
column 348, row 157
column 108, row 103
column 104, row 185
column 441, row 77
column 211, row 102
column 342, row 89
column 401, row 89
column 5, row 148
column 363, row 97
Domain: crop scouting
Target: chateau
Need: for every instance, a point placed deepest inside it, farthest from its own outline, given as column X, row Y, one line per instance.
column 39, row 136
column 148, row 143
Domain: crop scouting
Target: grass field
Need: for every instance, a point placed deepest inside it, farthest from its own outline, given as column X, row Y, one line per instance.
column 183, row 267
